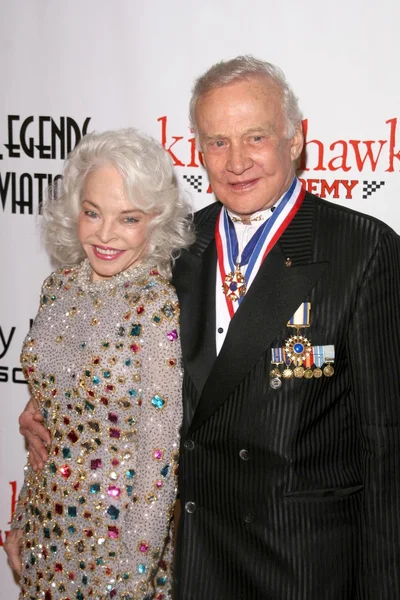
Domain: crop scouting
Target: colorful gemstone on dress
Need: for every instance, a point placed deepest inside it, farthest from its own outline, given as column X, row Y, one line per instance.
column 158, row 484
column 72, row 436
column 172, row 335
column 115, row 433
column 113, row 476
column 107, row 374
column 135, row 348
column 109, row 388
column 113, row 512
column 113, row 491
column 158, row 402
column 113, row 532
column 158, row 454
column 161, row 580
column 65, row 471
column 141, row 568
column 168, row 310
column 71, row 511
column 94, row 426
column 132, row 393
column 95, row 488
column 96, row 380
column 130, row 473
column 113, row 417
column 105, row 345
column 66, row 452
column 136, row 330
column 89, row 406
column 140, row 310
column 164, row 470
column 156, row 319
column 143, row 546
column 59, row 509
column 171, row 362
column 129, row 489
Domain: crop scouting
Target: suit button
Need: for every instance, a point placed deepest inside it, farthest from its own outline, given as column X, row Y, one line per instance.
column 190, row 507
column 248, row 518
column 189, row 445
column 244, row 454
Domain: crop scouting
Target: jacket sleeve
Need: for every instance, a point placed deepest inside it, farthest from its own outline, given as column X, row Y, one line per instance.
column 374, row 346
column 148, row 520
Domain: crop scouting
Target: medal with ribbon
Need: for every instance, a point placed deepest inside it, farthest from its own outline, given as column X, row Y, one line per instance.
column 301, row 359
column 235, row 282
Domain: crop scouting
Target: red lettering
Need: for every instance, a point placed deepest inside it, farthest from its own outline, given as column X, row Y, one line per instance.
column 369, row 154
column 329, row 189
column 349, row 185
column 13, row 498
column 303, row 156
column 342, row 156
column 392, row 144
column 177, row 162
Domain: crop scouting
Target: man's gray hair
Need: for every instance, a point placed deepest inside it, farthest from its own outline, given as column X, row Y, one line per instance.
column 149, row 182
column 245, row 67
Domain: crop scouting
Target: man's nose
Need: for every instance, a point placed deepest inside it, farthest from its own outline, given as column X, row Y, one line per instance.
column 238, row 160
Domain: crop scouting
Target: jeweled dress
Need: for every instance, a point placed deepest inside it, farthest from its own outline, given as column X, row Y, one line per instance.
column 103, row 361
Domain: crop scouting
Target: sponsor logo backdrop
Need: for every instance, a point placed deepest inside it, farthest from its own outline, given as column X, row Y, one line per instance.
column 74, row 67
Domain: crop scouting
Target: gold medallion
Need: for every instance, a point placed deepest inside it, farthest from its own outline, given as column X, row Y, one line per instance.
column 308, row 374
column 329, row 370
column 275, row 373
column 298, row 372
column 287, row 373
column 317, row 373
column 234, row 286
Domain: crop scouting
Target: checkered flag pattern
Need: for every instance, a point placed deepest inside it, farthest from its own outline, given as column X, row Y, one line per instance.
column 369, row 187
column 195, row 181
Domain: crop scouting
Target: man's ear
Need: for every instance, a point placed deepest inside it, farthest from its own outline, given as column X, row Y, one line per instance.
column 296, row 143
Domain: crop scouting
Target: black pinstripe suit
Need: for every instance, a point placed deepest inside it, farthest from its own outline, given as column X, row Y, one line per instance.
column 312, row 510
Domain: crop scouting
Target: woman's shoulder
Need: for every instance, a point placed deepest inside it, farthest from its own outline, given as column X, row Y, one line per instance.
column 59, row 280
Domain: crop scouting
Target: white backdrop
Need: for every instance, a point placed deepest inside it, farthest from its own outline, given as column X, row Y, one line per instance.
column 77, row 66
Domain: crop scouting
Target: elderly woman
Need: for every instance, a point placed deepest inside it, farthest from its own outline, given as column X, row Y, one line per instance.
column 103, row 363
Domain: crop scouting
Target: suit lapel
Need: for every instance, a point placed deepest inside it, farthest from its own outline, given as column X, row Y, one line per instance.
column 194, row 279
column 275, row 294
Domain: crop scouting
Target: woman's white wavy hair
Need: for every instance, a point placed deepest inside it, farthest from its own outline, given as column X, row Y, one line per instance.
column 150, row 184
column 245, row 67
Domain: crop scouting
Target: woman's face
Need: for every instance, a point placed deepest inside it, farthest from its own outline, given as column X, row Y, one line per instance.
column 113, row 233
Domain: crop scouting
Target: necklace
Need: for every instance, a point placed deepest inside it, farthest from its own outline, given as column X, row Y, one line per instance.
column 84, row 275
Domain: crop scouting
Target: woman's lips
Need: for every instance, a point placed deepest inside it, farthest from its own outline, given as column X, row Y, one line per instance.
column 105, row 253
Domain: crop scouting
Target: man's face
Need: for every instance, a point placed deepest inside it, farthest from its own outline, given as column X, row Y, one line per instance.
column 249, row 161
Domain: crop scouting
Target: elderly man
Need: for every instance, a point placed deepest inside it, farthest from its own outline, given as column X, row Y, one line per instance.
column 289, row 472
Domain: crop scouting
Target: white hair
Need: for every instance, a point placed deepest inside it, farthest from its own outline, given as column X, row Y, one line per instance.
column 247, row 67
column 150, row 184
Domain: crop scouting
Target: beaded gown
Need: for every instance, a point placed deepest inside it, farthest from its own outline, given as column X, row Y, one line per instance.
column 103, row 361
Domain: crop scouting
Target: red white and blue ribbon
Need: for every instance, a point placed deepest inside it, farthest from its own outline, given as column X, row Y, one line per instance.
column 271, row 231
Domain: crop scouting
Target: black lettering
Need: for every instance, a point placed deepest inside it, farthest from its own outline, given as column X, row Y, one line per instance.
column 15, row 372
column 12, row 148
column 28, row 149
column 6, row 343
column 3, row 374
column 44, row 151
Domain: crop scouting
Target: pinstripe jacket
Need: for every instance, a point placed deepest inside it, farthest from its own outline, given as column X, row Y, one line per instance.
column 293, row 493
